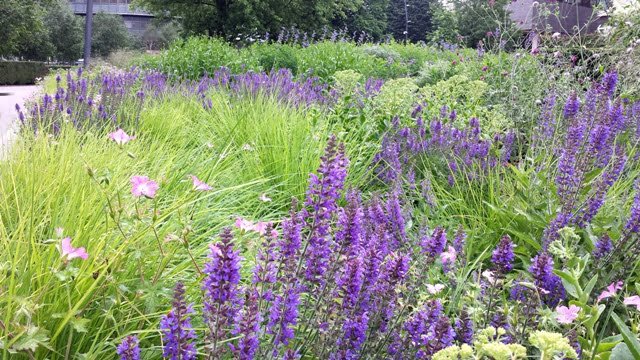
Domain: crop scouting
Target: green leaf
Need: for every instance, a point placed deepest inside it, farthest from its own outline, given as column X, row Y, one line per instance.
column 621, row 352
column 629, row 338
column 589, row 287
column 31, row 339
column 79, row 324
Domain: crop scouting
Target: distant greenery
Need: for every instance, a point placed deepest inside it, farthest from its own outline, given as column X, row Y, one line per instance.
column 109, row 34
column 40, row 30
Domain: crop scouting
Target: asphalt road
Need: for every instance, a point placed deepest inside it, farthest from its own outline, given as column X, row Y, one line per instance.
column 9, row 97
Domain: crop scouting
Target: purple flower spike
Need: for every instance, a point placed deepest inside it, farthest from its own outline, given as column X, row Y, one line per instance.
column 503, row 256
column 322, row 196
column 434, row 245
column 129, row 349
column 177, row 332
column 549, row 284
column 221, row 294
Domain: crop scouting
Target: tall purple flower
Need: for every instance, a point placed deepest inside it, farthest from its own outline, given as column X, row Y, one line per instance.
column 434, row 245
column 321, row 205
column 396, row 219
column 550, row 285
column 464, row 328
column 177, row 332
column 572, row 106
column 633, row 223
column 603, row 184
column 459, row 240
column 221, row 294
column 129, row 349
column 503, row 256
column 354, row 334
column 283, row 316
column 609, row 82
column 350, row 224
column 603, row 247
column 248, row 329
column 428, row 331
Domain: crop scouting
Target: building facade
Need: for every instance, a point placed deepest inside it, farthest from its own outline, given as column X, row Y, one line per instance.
column 135, row 20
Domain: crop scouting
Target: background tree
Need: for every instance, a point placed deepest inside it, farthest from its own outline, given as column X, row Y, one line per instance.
column 411, row 17
column 477, row 18
column 109, row 34
column 370, row 18
column 22, row 29
column 230, row 17
column 65, row 31
column 159, row 34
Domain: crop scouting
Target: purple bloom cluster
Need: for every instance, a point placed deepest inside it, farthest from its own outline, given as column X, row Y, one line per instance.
column 503, row 256
column 129, row 348
column 222, row 300
column 177, row 332
column 428, row 331
column 321, row 206
column 603, row 247
column 549, row 284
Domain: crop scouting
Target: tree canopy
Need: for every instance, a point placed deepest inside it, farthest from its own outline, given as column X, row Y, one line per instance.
column 230, row 17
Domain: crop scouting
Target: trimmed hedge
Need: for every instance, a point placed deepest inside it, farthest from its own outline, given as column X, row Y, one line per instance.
column 21, row 72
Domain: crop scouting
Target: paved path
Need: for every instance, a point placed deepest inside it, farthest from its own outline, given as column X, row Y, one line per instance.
column 9, row 97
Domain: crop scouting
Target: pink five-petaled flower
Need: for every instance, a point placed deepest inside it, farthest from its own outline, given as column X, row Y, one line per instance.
column 143, row 186
column 261, row 227
column 199, row 184
column 434, row 289
column 70, row 253
column 120, row 137
column 610, row 291
column 244, row 224
column 448, row 256
column 633, row 301
column 566, row 315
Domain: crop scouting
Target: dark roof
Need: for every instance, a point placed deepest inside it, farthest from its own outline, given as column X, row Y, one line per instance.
column 554, row 16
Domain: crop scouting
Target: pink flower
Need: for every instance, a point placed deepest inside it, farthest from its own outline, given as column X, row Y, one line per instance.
column 566, row 315
column 610, row 291
column 434, row 289
column 275, row 233
column 199, row 184
column 633, row 301
column 448, row 256
column 120, row 137
column 143, row 186
column 244, row 224
column 70, row 253
column 261, row 227
column 264, row 198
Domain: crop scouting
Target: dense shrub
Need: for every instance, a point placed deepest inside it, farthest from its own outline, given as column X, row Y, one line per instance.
column 21, row 72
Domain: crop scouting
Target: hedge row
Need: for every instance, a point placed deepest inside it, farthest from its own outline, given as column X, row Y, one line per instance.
column 21, row 72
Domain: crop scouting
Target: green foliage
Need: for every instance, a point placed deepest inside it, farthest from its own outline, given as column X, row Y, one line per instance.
column 109, row 34
column 229, row 18
column 24, row 32
column 160, row 34
column 551, row 345
column 65, row 31
column 468, row 98
column 396, row 97
column 370, row 18
column 21, row 72
column 276, row 56
column 486, row 346
column 40, row 30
